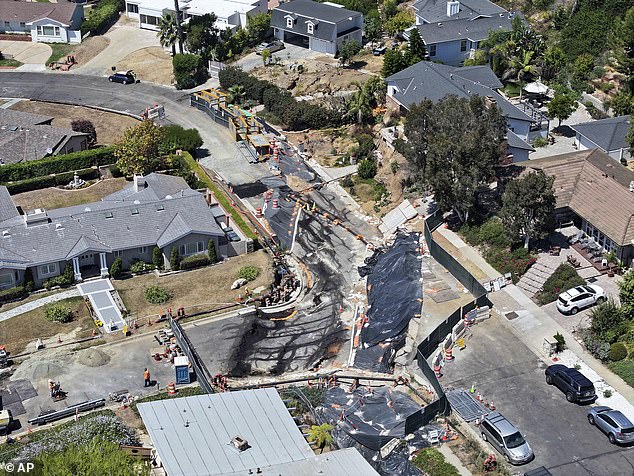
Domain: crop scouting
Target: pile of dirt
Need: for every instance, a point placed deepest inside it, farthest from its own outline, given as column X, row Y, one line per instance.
column 93, row 358
column 89, row 48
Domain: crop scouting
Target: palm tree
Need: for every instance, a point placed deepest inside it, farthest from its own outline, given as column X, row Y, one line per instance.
column 168, row 34
column 360, row 104
column 521, row 66
column 236, row 93
column 320, row 435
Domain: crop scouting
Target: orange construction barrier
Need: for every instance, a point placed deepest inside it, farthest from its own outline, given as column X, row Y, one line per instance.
column 449, row 354
column 258, row 212
column 171, row 389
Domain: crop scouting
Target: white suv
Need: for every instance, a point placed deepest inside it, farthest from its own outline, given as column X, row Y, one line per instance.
column 577, row 298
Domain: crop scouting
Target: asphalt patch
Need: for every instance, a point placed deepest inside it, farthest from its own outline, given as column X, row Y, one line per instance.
column 249, row 190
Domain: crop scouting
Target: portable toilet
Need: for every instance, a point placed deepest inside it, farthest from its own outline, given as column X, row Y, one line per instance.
column 181, row 364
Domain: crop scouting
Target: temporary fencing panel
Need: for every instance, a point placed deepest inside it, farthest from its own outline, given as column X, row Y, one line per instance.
column 202, row 374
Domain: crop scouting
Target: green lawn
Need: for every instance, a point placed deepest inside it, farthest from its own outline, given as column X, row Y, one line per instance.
column 624, row 369
column 60, row 50
column 10, row 62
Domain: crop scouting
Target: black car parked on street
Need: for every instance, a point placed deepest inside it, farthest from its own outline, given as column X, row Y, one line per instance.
column 127, row 77
column 572, row 382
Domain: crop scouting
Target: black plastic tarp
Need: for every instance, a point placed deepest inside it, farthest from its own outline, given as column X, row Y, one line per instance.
column 395, row 295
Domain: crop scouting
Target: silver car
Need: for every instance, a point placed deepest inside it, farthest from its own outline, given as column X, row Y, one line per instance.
column 613, row 423
column 505, row 438
column 575, row 299
column 272, row 46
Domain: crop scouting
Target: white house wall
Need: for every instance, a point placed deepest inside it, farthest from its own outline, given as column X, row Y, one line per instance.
column 322, row 46
column 519, row 155
column 521, row 128
column 449, row 52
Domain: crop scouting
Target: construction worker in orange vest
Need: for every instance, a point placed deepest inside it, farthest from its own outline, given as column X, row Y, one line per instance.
column 146, row 377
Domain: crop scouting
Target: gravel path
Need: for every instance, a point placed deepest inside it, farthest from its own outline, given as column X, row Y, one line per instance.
column 29, row 306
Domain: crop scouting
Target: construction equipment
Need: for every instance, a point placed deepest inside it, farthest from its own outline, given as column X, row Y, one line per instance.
column 65, row 65
column 57, row 393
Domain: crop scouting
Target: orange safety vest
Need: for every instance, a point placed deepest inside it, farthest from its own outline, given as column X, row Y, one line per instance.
column 146, row 375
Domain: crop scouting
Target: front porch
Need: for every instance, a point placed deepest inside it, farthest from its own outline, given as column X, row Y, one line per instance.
column 90, row 265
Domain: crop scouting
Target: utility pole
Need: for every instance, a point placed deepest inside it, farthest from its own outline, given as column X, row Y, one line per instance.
column 179, row 28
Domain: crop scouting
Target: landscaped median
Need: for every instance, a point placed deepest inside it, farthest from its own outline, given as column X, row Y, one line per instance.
column 220, row 196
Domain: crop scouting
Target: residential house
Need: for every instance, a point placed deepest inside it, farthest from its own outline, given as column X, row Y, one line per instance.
column 607, row 134
column 453, row 30
column 45, row 22
column 241, row 432
column 154, row 211
column 25, row 136
column 321, row 27
column 433, row 81
column 597, row 194
column 232, row 14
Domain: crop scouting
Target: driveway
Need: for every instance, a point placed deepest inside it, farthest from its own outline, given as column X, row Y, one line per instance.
column 124, row 40
column 508, row 373
column 581, row 320
column 290, row 54
column 26, row 52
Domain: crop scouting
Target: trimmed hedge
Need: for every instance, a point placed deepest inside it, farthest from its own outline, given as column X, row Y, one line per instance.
column 564, row 278
column 57, row 164
column 12, row 294
column 196, row 261
column 46, row 181
column 102, row 16
column 618, row 351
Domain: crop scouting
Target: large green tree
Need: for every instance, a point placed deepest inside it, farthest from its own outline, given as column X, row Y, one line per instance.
column 394, row 61
column 454, row 149
column 202, row 35
column 626, row 294
column 528, row 207
column 349, row 49
column 399, row 22
column 258, row 27
column 622, row 103
column 416, row 50
column 373, row 26
column 138, row 150
column 624, row 47
column 562, row 105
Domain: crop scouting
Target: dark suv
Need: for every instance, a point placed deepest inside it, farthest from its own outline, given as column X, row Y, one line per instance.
column 572, row 382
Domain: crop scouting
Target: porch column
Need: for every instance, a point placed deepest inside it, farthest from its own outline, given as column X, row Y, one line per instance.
column 104, row 266
column 76, row 268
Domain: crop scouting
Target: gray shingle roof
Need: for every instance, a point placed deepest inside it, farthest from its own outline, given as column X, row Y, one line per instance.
column 32, row 11
column 433, row 81
column 474, row 30
column 514, row 140
column 11, row 117
column 106, row 225
column 192, row 435
column 7, row 207
column 31, row 142
column 608, row 134
column 436, row 10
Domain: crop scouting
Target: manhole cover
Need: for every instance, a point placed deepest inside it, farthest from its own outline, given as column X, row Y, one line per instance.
column 511, row 315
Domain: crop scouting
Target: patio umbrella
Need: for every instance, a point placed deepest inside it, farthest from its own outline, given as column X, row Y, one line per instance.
column 536, row 88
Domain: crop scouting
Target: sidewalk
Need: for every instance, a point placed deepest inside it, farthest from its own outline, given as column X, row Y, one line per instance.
column 29, row 306
column 532, row 325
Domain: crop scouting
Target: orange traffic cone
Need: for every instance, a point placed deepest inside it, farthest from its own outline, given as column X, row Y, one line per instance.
column 59, row 340
column 491, row 406
column 479, row 397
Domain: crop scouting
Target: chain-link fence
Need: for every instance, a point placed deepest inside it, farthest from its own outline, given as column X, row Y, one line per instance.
column 203, row 377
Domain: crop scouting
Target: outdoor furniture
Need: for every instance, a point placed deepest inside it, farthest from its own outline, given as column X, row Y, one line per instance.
column 555, row 250
column 573, row 261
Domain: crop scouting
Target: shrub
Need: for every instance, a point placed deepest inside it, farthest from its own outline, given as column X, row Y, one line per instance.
column 366, row 169
column 87, row 127
column 65, row 279
column 249, row 272
column 561, row 342
column 618, row 351
column 595, row 346
column 189, row 70
column 195, row 261
column 539, row 142
column 116, row 268
column 492, row 233
column 58, row 313
column 211, row 252
column 431, row 461
column 607, row 393
column 157, row 258
column 156, row 295
column 607, row 321
column 564, row 277
column 175, row 259
column 140, row 267
column 177, row 137
column 347, row 182
column 28, row 280
column 102, row 16
column 12, row 294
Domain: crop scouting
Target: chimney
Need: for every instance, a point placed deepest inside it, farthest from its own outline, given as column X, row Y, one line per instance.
column 139, row 182
column 453, row 8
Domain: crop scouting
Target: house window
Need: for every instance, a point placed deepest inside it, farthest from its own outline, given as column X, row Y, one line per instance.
column 22, row 24
column 149, row 20
column 289, row 22
column 132, row 8
column 7, row 24
column 160, row 208
column 192, row 248
column 311, row 28
column 48, row 270
column 118, row 253
column 463, row 45
column 109, row 215
column 6, row 281
column 143, row 249
column 48, row 30
column 432, row 50
column 134, row 211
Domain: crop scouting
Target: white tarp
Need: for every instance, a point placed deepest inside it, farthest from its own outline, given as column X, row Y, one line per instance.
column 395, row 218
